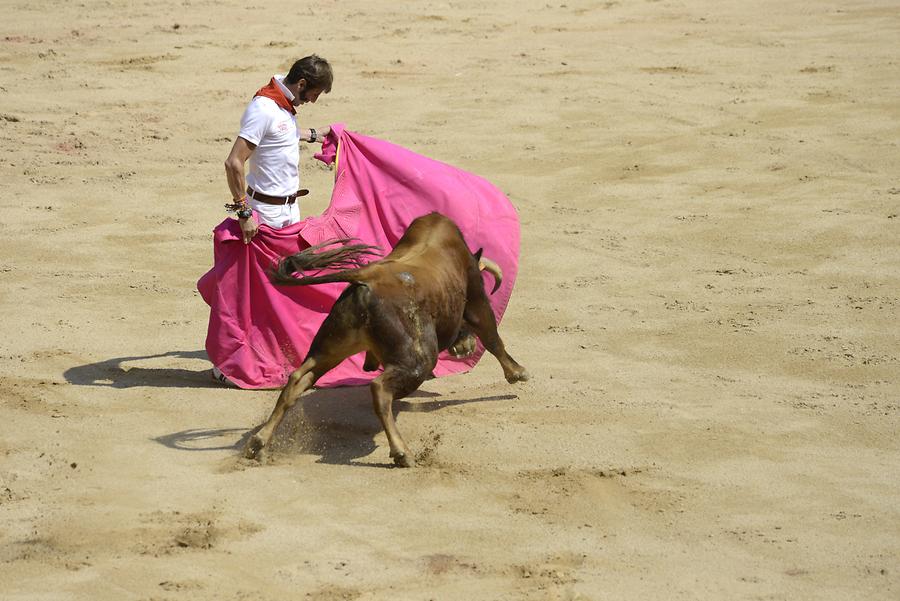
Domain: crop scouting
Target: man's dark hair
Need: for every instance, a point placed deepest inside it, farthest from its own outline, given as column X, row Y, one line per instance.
column 315, row 70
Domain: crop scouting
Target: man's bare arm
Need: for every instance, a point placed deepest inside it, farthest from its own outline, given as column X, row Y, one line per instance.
column 234, row 167
column 234, row 172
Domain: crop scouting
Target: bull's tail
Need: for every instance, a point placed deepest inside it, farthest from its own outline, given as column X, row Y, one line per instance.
column 345, row 259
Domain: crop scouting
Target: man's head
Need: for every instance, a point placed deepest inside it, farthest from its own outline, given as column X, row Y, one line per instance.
column 309, row 77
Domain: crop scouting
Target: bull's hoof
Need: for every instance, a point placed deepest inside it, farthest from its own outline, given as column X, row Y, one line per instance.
column 463, row 347
column 253, row 447
column 403, row 460
column 520, row 375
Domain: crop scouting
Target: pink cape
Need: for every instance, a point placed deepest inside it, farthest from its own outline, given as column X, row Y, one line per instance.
column 259, row 333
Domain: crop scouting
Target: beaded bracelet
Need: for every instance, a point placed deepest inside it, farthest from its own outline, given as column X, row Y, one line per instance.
column 234, row 207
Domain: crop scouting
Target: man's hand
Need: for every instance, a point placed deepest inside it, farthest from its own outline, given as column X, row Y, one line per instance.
column 321, row 133
column 249, row 228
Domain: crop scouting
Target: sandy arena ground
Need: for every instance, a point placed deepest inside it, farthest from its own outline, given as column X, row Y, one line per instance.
column 708, row 303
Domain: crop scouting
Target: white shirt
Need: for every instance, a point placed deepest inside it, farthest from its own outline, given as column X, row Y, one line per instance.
column 274, row 165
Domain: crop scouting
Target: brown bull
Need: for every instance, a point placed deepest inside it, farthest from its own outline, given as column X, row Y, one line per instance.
column 427, row 295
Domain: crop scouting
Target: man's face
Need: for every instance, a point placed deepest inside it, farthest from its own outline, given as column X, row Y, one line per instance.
column 305, row 94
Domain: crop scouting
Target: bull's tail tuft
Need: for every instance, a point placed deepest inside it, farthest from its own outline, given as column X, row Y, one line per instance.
column 343, row 260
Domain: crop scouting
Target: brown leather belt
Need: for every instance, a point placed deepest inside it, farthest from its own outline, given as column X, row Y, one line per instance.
column 275, row 200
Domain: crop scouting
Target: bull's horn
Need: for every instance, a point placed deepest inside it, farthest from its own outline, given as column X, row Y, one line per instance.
column 485, row 264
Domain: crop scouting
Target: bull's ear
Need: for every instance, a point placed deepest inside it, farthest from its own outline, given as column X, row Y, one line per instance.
column 477, row 254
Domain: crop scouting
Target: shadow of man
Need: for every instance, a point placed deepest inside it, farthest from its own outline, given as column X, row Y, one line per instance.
column 116, row 373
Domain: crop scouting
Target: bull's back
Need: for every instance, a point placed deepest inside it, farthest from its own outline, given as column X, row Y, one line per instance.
column 428, row 233
column 433, row 246
column 427, row 269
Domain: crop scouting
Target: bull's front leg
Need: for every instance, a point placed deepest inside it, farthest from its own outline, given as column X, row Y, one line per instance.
column 393, row 383
column 464, row 345
column 480, row 317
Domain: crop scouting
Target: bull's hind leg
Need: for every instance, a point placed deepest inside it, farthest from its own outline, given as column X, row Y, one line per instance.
column 299, row 381
column 337, row 339
column 394, row 383
column 480, row 318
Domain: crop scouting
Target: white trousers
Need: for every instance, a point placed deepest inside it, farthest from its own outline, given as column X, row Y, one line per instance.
column 277, row 216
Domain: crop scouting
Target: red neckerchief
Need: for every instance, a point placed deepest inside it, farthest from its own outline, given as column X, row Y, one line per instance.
column 274, row 92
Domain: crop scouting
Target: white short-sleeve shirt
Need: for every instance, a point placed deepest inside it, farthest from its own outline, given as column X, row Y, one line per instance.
column 274, row 165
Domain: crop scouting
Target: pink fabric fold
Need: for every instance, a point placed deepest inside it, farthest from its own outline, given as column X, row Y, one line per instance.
column 259, row 333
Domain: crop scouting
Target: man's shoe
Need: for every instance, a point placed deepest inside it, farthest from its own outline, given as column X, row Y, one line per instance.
column 219, row 377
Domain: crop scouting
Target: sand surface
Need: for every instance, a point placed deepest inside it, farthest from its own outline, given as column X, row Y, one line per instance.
column 708, row 303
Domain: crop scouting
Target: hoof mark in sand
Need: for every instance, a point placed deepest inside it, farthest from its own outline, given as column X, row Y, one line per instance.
column 140, row 62
column 442, row 563
column 170, row 532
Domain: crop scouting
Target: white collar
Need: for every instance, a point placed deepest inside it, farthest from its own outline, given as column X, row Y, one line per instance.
column 279, row 81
